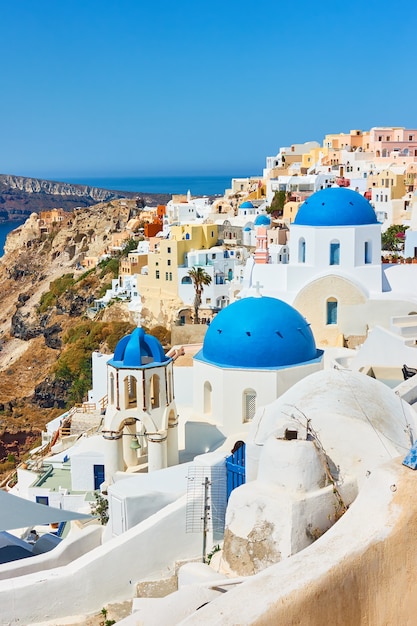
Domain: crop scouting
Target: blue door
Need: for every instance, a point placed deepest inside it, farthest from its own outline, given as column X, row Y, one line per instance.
column 98, row 476
column 235, row 468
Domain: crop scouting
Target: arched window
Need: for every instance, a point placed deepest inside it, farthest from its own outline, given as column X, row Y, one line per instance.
column 331, row 312
column 368, row 251
column 249, row 404
column 207, row 397
column 335, row 252
column 302, row 250
column 186, row 280
column 155, row 392
column 130, row 392
column 222, row 302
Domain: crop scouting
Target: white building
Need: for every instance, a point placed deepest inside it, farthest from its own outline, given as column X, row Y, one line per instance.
column 279, row 160
column 220, row 264
column 253, row 351
column 191, row 210
column 334, row 275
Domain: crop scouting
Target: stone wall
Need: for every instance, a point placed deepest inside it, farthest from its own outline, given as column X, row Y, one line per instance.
column 188, row 333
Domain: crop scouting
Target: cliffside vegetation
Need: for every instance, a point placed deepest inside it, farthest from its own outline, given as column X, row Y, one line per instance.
column 46, row 336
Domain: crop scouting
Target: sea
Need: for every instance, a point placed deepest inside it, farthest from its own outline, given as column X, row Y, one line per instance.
column 197, row 185
column 5, row 228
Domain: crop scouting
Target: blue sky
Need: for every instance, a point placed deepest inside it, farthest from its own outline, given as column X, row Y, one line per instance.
column 143, row 87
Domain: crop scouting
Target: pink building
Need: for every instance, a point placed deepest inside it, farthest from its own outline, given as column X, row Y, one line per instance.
column 261, row 251
column 387, row 140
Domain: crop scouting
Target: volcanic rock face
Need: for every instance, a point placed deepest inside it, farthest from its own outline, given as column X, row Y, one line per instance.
column 11, row 443
column 37, row 185
column 51, row 393
column 20, row 196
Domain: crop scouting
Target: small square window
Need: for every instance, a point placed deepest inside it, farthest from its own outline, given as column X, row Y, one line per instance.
column 290, row 434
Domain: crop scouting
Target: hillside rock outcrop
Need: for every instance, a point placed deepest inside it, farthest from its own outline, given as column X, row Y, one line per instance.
column 20, row 196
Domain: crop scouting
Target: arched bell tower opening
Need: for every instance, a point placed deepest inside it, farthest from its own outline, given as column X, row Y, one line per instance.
column 130, row 392
column 155, row 391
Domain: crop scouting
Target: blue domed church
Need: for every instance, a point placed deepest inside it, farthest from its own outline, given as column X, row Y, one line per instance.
column 140, row 423
column 253, row 351
column 334, row 276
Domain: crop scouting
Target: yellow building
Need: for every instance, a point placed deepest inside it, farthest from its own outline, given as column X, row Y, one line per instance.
column 389, row 179
column 290, row 211
column 411, row 177
column 258, row 191
column 159, row 287
column 312, row 157
column 132, row 264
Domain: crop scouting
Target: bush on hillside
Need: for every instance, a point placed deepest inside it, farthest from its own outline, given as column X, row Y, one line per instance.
column 56, row 288
column 74, row 364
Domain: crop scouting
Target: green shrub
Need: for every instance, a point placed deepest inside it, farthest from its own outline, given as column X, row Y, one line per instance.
column 130, row 245
column 109, row 266
column 74, row 363
column 56, row 289
column 100, row 508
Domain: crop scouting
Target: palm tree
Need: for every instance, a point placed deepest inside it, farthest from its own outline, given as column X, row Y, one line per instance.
column 200, row 278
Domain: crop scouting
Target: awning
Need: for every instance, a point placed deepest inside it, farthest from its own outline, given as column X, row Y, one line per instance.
column 16, row 512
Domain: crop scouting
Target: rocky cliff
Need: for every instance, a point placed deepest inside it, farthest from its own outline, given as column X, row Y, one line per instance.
column 20, row 196
column 44, row 299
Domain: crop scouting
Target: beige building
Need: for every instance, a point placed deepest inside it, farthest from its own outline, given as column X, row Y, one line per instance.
column 49, row 220
column 343, row 141
column 392, row 179
column 290, row 211
column 159, row 287
column 132, row 264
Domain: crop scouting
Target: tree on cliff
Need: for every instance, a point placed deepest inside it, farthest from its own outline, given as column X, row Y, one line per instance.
column 277, row 204
column 200, row 278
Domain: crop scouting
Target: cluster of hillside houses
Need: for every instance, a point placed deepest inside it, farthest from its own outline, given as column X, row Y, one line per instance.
column 274, row 448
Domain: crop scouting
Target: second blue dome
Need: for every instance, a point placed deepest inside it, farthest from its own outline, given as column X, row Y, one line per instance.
column 335, row 206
